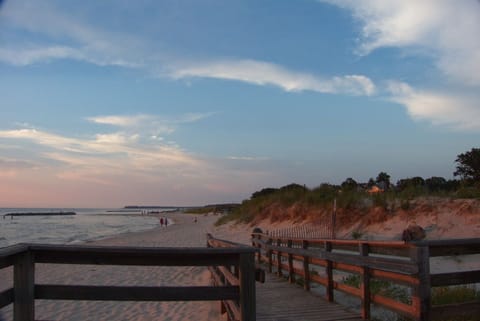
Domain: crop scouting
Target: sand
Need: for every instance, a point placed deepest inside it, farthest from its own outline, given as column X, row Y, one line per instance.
column 182, row 233
column 185, row 233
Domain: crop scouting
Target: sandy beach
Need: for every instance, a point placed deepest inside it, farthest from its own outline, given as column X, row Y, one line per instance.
column 183, row 232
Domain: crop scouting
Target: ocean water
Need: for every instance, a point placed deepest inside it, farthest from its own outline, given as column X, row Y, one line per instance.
column 87, row 224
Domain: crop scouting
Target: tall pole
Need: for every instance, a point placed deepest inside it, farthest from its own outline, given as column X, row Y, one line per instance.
column 334, row 217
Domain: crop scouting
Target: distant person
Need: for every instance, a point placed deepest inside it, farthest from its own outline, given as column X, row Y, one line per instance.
column 166, row 222
column 161, row 221
column 195, row 219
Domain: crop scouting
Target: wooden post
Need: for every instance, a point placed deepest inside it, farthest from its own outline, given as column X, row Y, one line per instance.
column 23, row 287
column 365, row 286
column 270, row 256
column 248, row 300
column 422, row 293
column 329, row 273
column 279, row 259
column 306, row 271
column 291, row 273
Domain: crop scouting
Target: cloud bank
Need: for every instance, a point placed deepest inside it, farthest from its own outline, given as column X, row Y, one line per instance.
column 444, row 29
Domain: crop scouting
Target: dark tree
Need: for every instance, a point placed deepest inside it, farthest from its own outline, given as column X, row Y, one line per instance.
column 264, row 192
column 468, row 166
column 383, row 180
column 349, row 184
column 435, row 184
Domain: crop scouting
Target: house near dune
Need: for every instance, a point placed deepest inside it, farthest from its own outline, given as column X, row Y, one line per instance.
column 375, row 190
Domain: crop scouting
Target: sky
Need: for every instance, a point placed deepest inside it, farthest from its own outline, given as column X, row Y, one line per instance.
column 186, row 102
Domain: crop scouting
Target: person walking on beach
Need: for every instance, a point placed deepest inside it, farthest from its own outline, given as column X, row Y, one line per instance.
column 161, row 221
column 166, row 222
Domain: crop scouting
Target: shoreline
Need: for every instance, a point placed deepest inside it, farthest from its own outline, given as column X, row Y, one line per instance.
column 183, row 233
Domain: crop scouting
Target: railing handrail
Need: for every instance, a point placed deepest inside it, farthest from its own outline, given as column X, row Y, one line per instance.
column 404, row 263
column 24, row 256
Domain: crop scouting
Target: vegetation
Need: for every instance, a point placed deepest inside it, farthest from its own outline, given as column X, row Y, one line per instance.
column 468, row 166
column 454, row 294
column 355, row 196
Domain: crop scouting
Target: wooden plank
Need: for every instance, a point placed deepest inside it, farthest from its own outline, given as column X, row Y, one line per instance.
column 135, row 293
column 458, row 310
column 279, row 300
column 306, row 271
column 455, row 278
column 232, row 309
column 232, row 280
column 329, row 273
column 365, row 286
column 381, row 263
column 452, row 247
column 6, row 297
column 399, row 307
column 347, row 289
column 247, row 299
column 23, row 287
column 420, row 256
column 64, row 254
column 395, row 277
column 7, row 254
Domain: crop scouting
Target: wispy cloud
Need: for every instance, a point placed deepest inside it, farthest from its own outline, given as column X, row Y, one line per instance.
column 64, row 37
column 452, row 110
column 446, row 30
column 247, row 158
column 265, row 73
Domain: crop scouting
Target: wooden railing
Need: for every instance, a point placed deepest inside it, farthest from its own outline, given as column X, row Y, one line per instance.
column 231, row 275
column 399, row 263
column 25, row 290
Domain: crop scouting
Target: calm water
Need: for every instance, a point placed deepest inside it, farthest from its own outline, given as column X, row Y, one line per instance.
column 88, row 224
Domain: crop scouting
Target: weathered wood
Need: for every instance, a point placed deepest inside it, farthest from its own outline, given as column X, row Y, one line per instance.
column 135, row 293
column 7, row 254
column 455, row 278
column 102, row 255
column 329, row 273
column 279, row 257
column 291, row 273
column 396, row 306
column 231, row 278
column 247, row 300
column 422, row 293
column 382, row 263
column 279, row 300
column 306, row 271
column 398, row 262
column 395, row 277
column 6, row 298
column 365, row 285
column 451, row 247
column 23, row 287
column 458, row 310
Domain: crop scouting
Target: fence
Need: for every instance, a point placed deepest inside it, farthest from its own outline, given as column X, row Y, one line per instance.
column 24, row 292
column 399, row 263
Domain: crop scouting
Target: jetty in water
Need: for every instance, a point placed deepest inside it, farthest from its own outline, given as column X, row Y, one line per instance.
column 38, row 214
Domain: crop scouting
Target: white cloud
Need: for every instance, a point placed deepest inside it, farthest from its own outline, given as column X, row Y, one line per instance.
column 64, row 37
column 452, row 110
column 446, row 29
column 265, row 73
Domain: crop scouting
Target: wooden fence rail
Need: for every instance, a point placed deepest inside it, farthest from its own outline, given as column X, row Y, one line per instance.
column 399, row 263
column 24, row 292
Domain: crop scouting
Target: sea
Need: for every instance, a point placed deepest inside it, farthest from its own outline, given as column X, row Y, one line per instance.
column 87, row 225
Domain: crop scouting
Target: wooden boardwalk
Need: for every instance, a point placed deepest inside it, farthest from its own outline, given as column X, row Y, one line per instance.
column 277, row 300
